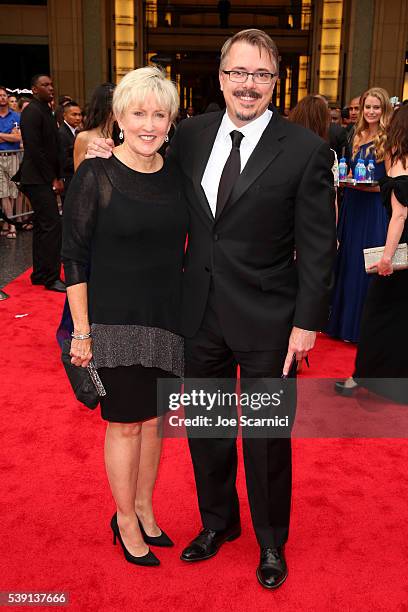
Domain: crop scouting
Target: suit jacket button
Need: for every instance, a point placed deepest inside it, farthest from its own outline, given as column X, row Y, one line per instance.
column 216, row 236
column 206, row 268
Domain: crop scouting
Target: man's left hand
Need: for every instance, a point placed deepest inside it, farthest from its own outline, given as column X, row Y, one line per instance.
column 301, row 341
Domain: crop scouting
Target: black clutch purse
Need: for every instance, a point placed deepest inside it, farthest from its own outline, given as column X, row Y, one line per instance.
column 85, row 382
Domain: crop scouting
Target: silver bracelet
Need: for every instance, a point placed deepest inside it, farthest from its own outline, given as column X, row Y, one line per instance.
column 81, row 336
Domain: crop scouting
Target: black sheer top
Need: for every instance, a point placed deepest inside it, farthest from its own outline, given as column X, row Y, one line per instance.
column 398, row 185
column 124, row 234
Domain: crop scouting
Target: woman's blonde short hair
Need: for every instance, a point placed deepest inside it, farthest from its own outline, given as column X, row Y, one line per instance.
column 138, row 84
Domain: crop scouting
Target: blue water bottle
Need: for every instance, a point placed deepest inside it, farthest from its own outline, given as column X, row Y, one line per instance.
column 342, row 169
column 360, row 171
column 370, row 170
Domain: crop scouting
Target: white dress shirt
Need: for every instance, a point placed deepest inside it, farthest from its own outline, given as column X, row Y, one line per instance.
column 222, row 147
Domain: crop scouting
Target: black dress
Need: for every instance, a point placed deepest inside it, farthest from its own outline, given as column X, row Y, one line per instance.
column 382, row 355
column 129, row 229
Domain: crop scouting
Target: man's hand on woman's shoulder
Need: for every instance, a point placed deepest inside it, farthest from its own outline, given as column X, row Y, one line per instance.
column 100, row 147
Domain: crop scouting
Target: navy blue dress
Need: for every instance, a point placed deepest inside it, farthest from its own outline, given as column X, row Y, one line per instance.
column 362, row 224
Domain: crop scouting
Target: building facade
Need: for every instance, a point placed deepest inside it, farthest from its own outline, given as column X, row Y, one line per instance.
column 337, row 48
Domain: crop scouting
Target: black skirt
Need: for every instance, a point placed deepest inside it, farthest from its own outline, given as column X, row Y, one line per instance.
column 382, row 356
column 131, row 393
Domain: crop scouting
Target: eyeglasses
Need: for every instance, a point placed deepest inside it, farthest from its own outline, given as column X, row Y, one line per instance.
column 241, row 76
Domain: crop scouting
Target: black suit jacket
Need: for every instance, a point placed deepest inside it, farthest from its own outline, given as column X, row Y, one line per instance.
column 39, row 131
column 282, row 201
column 66, row 141
column 338, row 140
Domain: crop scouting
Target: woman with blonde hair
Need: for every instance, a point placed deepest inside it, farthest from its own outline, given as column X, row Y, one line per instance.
column 125, row 220
column 363, row 220
column 382, row 358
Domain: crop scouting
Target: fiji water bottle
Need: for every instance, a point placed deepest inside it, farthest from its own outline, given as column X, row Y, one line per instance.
column 342, row 169
column 360, row 171
column 370, row 170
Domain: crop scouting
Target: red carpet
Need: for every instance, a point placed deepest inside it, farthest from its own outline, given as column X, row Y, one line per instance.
column 348, row 548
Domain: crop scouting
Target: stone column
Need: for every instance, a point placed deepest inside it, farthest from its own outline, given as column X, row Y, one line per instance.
column 358, row 47
column 139, row 33
column 66, row 47
column 377, row 42
column 96, row 20
column 315, row 46
column 389, row 45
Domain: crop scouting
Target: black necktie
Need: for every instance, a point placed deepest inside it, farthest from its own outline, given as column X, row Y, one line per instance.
column 230, row 173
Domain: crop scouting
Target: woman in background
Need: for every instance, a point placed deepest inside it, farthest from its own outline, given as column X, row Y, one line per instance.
column 98, row 122
column 363, row 220
column 313, row 113
column 382, row 355
column 22, row 103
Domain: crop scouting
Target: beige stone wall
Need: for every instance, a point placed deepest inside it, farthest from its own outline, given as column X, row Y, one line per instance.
column 359, row 26
column 79, row 31
column 96, row 16
column 376, row 45
column 66, row 47
column 27, row 22
column 390, row 38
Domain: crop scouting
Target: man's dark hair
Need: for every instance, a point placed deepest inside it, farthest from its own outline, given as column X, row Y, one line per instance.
column 3, row 88
column 63, row 100
column 70, row 104
column 345, row 112
column 36, row 77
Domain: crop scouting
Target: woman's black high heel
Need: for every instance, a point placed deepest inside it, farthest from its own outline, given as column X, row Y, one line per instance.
column 161, row 540
column 147, row 560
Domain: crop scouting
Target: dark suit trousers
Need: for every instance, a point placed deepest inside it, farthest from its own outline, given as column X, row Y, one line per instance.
column 47, row 234
column 267, row 461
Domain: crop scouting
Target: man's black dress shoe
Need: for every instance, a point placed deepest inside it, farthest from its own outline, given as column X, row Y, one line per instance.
column 272, row 570
column 208, row 542
column 57, row 285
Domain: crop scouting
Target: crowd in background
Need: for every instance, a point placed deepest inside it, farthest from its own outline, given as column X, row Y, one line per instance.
column 346, row 129
column 259, row 198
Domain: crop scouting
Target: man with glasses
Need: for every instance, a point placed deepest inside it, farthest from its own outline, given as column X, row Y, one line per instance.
column 258, row 188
